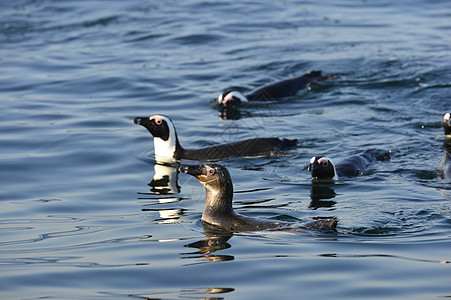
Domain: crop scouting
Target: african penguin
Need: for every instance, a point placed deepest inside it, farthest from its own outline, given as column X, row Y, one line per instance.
column 273, row 91
column 167, row 145
column 445, row 161
column 322, row 167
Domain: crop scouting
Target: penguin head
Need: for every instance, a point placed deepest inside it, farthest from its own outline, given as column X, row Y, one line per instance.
column 163, row 131
column 216, row 180
column 208, row 174
column 159, row 126
column 322, row 167
column 231, row 98
column 447, row 123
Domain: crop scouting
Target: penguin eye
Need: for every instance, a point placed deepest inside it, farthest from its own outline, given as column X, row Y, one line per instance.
column 158, row 121
column 325, row 163
column 211, row 171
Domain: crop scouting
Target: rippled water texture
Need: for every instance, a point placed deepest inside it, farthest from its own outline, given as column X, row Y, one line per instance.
column 83, row 211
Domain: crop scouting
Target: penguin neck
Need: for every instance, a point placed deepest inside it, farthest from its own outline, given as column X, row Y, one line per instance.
column 169, row 149
column 447, row 129
column 335, row 177
column 218, row 202
column 335, row 170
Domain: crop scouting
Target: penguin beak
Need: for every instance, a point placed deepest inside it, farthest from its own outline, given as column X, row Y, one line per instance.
column 314, row 168
column 146, row 123
column 143, row 121
column 231, row 102
column 311, row 169
column 192, row 170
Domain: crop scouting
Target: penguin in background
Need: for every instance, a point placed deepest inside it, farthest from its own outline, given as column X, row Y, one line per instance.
column 322, row 167
column 274, row 91
column 445, row 161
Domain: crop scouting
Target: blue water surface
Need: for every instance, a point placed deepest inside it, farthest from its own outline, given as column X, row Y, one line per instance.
column 82, row 218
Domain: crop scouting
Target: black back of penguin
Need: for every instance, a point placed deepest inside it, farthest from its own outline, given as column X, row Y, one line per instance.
column 356, row 164
column 286, row 88
column 249, row 147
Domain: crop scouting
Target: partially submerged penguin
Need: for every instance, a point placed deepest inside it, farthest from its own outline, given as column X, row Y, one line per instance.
column 445, row 161
column 322, row 167
column 218, row 210
column 167, row 145
column 273, row 91
column 447, row 124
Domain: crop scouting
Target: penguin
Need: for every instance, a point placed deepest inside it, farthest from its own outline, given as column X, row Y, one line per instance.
column 219, row 213
column 445, row 163
column 167, row 145
column 445, row 160
column 447, row 124
column 322, row 167
column 273, row 91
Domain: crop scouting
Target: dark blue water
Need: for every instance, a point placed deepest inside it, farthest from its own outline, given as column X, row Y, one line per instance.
column 78, row 217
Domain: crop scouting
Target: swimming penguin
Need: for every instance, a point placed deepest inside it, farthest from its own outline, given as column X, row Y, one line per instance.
column 167, row 145
column 447, row 124
column 445, row 161
column 218, row 210
column 273, row 91
column 322, row 167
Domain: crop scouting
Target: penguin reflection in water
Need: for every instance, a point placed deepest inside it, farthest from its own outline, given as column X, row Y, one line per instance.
column 322, row 167
column 165, row 181
column 206, row 248
column 219, row 213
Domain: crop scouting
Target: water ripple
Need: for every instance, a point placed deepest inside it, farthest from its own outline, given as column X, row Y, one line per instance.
column 82, row 205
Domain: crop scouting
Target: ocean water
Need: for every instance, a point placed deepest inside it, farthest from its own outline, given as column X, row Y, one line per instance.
column 82, row 215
